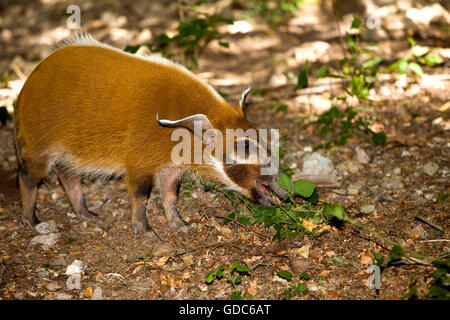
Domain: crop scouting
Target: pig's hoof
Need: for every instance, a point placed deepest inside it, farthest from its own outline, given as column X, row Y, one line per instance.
column 142, row 229
column 30, row 223
column 181, row 226
column 90, row 216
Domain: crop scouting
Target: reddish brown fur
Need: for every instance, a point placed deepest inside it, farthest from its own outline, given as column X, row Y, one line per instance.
column 94, row 109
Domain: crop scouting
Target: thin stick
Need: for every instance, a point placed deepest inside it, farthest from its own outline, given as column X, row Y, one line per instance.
column 429, row 223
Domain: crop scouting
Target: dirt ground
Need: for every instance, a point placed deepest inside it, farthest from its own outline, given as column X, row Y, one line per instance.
column 395, row 184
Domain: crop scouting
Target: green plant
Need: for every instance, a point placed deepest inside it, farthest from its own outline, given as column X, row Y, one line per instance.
column 289, row 219
column 440, row 284
column 359, row 68
column 275, row 12
column 232, row 278
column 293, row 287
column 340, row 125
column 279, row 107
column 5, row 78
column 191, row 36
column 419, row 55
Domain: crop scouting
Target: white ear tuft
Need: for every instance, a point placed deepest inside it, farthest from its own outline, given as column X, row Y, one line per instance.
column 244, row 95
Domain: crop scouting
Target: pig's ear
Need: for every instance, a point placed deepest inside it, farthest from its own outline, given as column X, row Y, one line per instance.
column 243, row 97
column 200, row 120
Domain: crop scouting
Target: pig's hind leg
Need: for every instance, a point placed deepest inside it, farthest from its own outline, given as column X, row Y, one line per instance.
column 72, row 185
column 30, row 175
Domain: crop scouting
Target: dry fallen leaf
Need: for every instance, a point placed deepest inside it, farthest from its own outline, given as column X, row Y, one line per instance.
column 302, row 251
column 161, row 261
column 444, row 107
column 414, row 235
column 366, row 259
column 324, row 273
column 252, row 287
column 136, row 270
column 88, row 292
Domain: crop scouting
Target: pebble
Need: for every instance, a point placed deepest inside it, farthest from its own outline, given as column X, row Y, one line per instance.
column 392, row 182
column 76, row 268
column 46, row 240
column 430, row 168
column 422, row 231
column 98, row 294
column 362, row 156
column 42, row 273
column 406, row 153
column 47, row 227
column 317, row 165
column 368, row 208
column 52, row 286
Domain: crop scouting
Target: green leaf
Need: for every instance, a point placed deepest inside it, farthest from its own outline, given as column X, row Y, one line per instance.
column 334, row 211
column 210, row 277
column 219, row 272
column 236, row 295
column 379, row 138
column 322, row 72
column 224, row 44
column 242, row 269
column 419, row 51
column 412, row 41
column 304, row 188
column 432, row 59
column 301, row 287
column 304, row 276
column 285, row 275
column 356, row 23
column 378, row 258
column 395, row 254
column 302, row 79
column 414, row 67
column 314, row 198
column 372, row 62
column 285, row 182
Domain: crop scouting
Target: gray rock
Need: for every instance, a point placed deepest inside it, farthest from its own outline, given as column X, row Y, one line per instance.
column 422, row 231
column 319, row 167
column 53, row 286
column 42, row 273
column 47, row 227
column 392, row 182
column 430, row 168
column 46, row 240
column 362, row 156
column 77, row 267
column 98, row 294
column 367, row 208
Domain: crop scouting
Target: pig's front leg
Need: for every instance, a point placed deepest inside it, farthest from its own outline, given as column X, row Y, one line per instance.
column 169, row 183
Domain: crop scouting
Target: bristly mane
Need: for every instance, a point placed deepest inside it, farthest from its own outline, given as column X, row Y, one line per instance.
column 85, row 39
